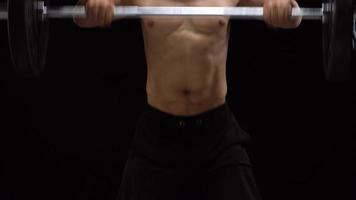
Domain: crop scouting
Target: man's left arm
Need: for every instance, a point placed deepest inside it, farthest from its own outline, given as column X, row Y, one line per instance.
column 276, row 13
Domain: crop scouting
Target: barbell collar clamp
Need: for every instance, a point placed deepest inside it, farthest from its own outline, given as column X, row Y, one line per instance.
column 3, row 15
column 3, row 11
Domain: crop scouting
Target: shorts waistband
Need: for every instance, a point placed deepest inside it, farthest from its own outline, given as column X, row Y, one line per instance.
column 218, row 114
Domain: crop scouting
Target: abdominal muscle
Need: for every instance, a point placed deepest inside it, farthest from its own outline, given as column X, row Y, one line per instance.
column 186, row 60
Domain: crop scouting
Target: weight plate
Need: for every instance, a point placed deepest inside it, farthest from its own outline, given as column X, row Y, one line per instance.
column 28, row 37
column 337, row 39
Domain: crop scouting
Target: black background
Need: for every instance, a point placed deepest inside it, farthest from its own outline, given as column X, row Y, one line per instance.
column 66, row 135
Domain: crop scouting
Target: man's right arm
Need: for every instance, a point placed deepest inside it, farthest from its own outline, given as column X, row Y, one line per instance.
column 99, row 13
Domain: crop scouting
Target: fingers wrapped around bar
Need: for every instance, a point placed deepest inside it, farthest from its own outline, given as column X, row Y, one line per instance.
column 278, row 13
column 99, row 13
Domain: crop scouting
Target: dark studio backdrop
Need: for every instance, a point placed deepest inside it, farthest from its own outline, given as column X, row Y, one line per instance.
column 66, row 135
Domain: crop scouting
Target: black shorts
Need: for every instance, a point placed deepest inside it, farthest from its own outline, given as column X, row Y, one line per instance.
column 181, row 158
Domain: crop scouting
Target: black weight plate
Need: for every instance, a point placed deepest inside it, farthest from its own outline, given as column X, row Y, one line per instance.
column 354, row 35
column 353, row 64
column 28, row 37
column 337, row 39
column 354, row 26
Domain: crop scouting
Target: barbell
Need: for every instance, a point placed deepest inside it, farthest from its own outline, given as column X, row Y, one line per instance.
column 28, row 29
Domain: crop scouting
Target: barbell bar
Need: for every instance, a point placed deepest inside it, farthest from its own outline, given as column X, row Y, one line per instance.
column 255, row 13
column 32, row 17
column 136, row 11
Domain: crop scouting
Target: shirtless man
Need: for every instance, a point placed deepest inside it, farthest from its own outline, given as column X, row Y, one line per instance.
column 187, row 143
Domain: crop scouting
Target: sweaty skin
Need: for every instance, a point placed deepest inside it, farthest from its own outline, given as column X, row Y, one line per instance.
column 186, row 57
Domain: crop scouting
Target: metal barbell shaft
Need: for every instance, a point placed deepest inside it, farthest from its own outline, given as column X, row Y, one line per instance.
column 136, row 11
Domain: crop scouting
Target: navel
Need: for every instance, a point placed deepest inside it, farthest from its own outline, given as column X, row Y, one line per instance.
column 186, row 92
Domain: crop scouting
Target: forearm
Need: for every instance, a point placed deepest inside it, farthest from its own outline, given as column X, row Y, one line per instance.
column 251, row 3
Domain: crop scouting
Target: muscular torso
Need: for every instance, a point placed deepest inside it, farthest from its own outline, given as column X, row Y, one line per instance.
column 186, row 58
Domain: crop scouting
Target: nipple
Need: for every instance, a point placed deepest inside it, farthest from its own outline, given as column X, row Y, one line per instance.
column 150, row 23
column 222, row 23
